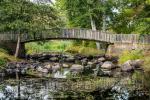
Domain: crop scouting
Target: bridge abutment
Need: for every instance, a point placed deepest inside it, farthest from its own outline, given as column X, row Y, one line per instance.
column 11, row 47
column 117, row 49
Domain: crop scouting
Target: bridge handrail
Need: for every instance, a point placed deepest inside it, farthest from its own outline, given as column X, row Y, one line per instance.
column 63, row 33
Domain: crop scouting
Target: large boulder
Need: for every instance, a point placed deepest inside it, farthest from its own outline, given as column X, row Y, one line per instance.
column 84, row 61
column 65, row 65
column 70, row 59
column 87, row 70
column 106, row 72
column 43, row 70
column 108, row 65
column 91, row 64
column 127, row 66
column 76, row 68
column 137, row 63
column 130, row 65
column 54, row 59
column 47, row 66
column 55, row 67
column 102, row 59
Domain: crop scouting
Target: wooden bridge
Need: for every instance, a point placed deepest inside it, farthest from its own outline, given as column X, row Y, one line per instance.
column 80, row 34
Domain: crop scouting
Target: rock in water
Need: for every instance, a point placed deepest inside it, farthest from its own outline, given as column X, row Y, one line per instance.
column 107, row 72
column 76, row 68
column 70, row 59
column 65, row 66
column 43, row 70
column 55, row 67
column 137, row 63
column 54, row 59
column 127, row 66
column 102, row 59
column 47, row 66
column 108, row 65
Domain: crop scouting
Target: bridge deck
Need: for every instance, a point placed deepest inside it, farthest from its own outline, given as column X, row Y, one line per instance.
column 82, row 34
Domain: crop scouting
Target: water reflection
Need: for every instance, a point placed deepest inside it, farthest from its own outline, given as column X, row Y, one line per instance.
column 56, row 89
column 62, row 74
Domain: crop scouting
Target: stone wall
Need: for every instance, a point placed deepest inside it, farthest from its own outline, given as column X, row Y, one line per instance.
column 11, row 47
column 117, row 48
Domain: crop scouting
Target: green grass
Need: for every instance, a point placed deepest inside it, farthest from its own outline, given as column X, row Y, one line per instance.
column 61, row 46
column 37, row 47
column 5, row 57
column 130, row 55
column 145, row 76
column 83, row 50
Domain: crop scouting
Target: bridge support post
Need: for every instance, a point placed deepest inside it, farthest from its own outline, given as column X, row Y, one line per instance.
column 11, row 47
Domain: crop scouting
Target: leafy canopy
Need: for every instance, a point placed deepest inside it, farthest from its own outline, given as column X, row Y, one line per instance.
column 24, row 15
column 122, row 16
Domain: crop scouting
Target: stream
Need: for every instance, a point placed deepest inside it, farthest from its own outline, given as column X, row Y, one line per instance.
column 45, row 77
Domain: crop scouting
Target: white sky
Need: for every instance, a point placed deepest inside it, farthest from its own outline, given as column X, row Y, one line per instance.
column 43, row 0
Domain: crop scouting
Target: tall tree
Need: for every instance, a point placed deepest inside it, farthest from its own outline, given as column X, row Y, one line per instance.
column 84, row 13
column 25, row 16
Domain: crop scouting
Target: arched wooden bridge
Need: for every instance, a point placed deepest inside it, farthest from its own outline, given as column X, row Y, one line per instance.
column 82, row 34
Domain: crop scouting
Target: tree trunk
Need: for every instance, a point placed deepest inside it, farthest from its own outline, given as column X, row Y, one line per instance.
column 93, row 25
column 104, row 22
column 18, row 46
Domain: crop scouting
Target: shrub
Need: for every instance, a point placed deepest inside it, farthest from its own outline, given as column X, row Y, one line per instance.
column 130, row 55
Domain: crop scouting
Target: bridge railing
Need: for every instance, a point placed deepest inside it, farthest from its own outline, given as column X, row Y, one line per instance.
column 77, row 34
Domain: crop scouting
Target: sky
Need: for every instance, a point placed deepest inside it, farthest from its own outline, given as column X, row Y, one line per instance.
column 53, row 1
column 43, row 0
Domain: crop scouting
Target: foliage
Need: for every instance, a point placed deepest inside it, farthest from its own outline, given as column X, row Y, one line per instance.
column 83, row 50
column 5, row 57
column 144, row 76
column 56, row 46
column 122, row 16
column 146, row 73
column 130, row 55
column 26, row 16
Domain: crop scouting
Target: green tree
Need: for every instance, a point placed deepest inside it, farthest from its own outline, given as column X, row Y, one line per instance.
column 118, row 16
column 84, row 13
column 130, row 16
column 25, row 16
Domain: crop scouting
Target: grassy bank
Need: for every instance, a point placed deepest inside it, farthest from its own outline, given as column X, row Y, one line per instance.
column 5, row 57
column 143, row 55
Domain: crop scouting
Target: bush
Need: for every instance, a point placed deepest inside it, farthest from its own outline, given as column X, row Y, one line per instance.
column 130, row 55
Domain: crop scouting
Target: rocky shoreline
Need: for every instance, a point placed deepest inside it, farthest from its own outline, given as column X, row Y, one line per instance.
column 46, row 64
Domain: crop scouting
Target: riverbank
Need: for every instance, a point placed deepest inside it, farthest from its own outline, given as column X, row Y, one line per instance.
column 83, row 73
